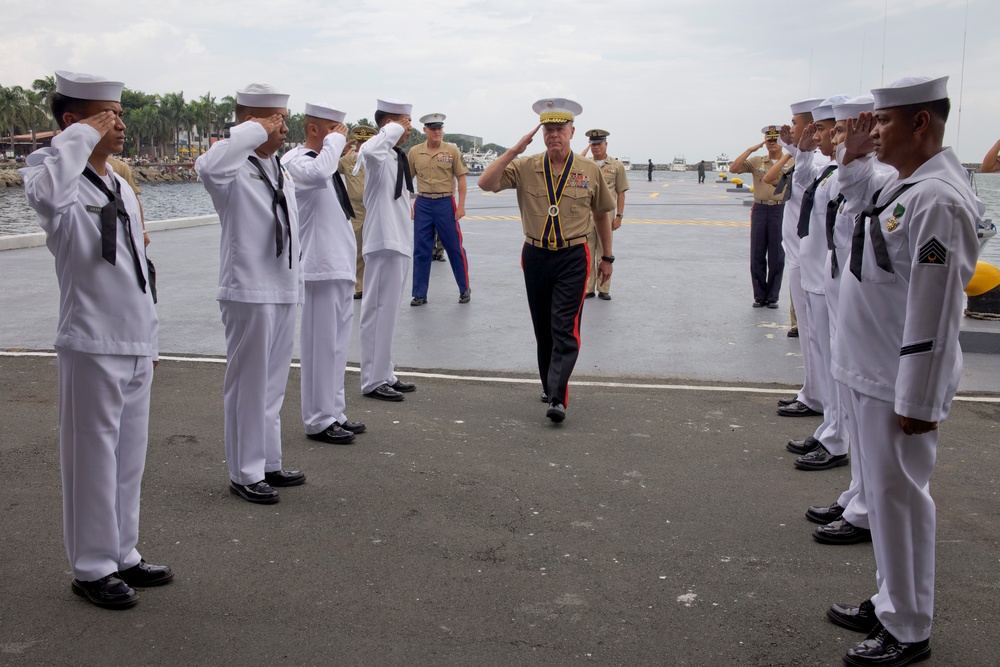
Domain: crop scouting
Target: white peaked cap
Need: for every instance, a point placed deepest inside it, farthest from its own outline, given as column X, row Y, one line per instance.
column 852, row 107
column 325, row 111
column 394, row 107
column 556, row 110
column 824, row 110
column 805, row 106
column 88, row 86
column 911, row 90
column 261, row 95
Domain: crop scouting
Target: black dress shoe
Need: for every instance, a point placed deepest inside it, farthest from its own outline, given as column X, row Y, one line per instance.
column 357, row 295
column 404, row 387
column 333, row 434
column 590, row 295
column 881, row 649
column 782, row 402
column 823, row 514
column 841, row 531
column 145, row 575
column 545, row 396
column 438, row 258
column 384, row 392
column 860, row 619
column 604, row 295
column 556, row 412
column 109, row 592
column 258, row 492
column 798, row 409
column 418, row 301
column 759, row 303
column 772, row 304
column 801, row 447
column 820, row 459
column 354, row 427
column 793, row 332
column 465, row 297
column 285, row 477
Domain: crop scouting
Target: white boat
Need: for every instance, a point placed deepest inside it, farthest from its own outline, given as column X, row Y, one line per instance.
column 679, row 164
column 627, row 161
column 477, row 160
column 722, row 163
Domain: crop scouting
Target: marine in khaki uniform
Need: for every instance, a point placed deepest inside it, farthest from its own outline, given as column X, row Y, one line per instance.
column 438, row 167
column 355, row 191
column 614, row 176
column 562, row 197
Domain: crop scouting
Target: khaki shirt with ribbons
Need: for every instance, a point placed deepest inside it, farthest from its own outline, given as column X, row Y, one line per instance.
column 758, row 165
column 436, row 170
column 586, row 192
column 614, row 175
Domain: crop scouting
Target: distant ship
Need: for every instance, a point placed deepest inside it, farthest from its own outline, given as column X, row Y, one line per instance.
column 679, row 164
column 627, row 161
column 477, row 160
column 722, row 163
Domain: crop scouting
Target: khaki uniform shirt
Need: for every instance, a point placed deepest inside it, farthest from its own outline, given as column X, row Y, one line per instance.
column 436, row 171
column 355, row 183
column 122, row 169
column 614, row 175
column 758, row 165
column 585, row 192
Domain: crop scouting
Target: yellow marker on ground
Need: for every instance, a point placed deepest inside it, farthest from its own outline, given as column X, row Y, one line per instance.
column 654, row 194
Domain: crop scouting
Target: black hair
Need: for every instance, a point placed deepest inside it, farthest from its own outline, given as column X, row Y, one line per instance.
column 64, row 103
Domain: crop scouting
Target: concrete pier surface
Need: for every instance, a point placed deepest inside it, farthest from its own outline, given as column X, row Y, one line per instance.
column 661, row 524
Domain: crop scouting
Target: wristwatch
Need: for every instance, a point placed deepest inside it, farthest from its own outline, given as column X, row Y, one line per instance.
column 618, row 215
column 610, row 259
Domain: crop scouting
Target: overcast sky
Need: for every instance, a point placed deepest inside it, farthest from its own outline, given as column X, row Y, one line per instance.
column 667, row 77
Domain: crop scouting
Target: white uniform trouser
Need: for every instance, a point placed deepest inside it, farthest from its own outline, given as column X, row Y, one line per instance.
column 852, row 499
column 831, row 432
column 324, row 340
column 103, row 431
column 811, row 392
column 896, row 470
column 259, row 342
column 385, row 281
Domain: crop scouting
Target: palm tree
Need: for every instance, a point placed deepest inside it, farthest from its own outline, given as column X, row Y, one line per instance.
column 47, row 87
column 172, row 108
column 35, row 113
column 11, row 110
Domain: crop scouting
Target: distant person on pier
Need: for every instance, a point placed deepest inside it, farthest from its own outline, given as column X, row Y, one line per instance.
column 767, row 258
column 990, row 162
column 649, row 171
column 614, row 175
column 701, row 172
column 106, row 342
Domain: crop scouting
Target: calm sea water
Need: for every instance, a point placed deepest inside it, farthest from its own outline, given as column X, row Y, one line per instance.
column 180, row 200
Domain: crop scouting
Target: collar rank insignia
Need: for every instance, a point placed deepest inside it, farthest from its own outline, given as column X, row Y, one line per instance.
column 891, row 224
column 933, row 252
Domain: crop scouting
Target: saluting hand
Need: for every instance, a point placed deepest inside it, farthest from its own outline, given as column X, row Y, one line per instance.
column 757, row 147
column 858, row 138
column 808, row 141
column 913, row 426
column 102, row 121
column 785, row 134
column 522, row 145
column 270, row 124
column 340, row 129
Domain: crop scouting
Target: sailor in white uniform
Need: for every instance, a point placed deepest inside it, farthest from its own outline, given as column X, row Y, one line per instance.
column 328, row 268
column 387, row 246
column 106, row 342
column 913, row 250
column 816, row 178
column 259, row 287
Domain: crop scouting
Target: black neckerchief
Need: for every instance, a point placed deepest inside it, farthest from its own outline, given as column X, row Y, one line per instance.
column 111, row 213
column 807, row 201
column 402, row 173
column 875, row 231
column 831, row 223
column 277, row 200
column 785, row 180
column 340, row 189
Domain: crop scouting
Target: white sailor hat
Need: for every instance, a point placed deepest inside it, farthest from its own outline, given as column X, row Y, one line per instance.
column 556, row 110
column 394, row 107
column 325, row 111
column 598, row 136
column 433, row 120
column 911, row 90
column 88, row 87
column 262, row 96
column 770, row 131
column 805, row 106
column 852, row 107
column 824, row 110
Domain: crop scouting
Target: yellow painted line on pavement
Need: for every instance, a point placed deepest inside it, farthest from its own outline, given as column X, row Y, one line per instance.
column 654, row 194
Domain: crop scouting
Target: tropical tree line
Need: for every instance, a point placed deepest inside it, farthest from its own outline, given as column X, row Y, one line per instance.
column 159, row 126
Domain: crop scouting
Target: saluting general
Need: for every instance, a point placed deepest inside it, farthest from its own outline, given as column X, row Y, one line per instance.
column 561, row 196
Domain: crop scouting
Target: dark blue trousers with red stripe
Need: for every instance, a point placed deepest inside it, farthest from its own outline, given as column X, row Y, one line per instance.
column 430, row 215
column 556, row 283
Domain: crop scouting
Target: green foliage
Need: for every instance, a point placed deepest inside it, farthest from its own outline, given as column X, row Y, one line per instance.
column 496, row 148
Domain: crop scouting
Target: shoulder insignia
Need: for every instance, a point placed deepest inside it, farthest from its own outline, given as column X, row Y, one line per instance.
column 933, row 252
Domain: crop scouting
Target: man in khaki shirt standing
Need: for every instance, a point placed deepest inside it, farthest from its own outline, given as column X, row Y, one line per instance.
column 561, row 197
column 438, row 165
column 767, row 257
column 614, row 175
column 356, row 191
